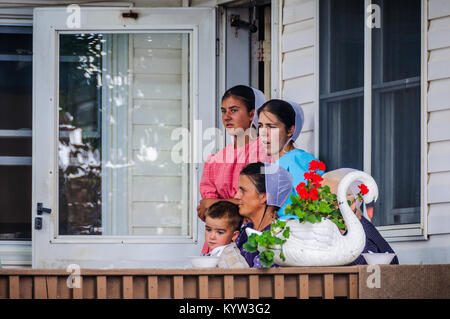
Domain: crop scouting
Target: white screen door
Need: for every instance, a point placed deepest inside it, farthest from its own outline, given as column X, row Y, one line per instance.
column 117, row 149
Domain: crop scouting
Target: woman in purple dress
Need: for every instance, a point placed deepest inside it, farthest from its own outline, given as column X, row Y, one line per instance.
column 263, row 189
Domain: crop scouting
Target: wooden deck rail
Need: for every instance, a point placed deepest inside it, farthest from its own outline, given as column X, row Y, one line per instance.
column 303, row 283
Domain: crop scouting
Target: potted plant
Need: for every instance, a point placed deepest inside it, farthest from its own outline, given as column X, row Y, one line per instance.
column 315, row 236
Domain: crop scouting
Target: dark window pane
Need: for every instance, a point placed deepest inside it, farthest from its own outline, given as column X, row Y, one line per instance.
column 15, row 95
column 15, row 146
column 396, row 156
column 80, row 208
column 341, row 133
column 15, row 198
column 407, row 148
column 16, row 43
column 346, row 36
column 401, row 39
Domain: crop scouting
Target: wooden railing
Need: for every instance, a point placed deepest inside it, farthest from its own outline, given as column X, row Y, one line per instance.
column 278, row 283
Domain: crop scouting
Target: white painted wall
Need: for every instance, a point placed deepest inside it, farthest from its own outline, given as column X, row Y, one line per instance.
column 298, row 65
column 158, row 104
column 437, row 248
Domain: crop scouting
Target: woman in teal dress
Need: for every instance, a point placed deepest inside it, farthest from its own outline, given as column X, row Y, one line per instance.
column 279, row 125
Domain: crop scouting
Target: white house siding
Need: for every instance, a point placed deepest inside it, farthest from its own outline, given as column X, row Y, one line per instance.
column 439, row 117
column 298, row 80
column 437, row 248
column 158, row 106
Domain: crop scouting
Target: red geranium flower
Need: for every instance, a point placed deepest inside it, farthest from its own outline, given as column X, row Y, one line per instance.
column 303, row 193
column 313, row 194
column 317, row 165
column 299, row 187
column 313, row 165
column 315, row 178
column 322, row 166
column 363, row 189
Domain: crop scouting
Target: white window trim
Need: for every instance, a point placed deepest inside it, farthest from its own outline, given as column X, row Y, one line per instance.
column 195, row 152
column 392, row 233
column 276, row 32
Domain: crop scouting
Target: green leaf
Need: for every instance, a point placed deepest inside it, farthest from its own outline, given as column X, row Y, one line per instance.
column 251, row 245
column 282, row 256
column 341, row 225
column 311, row 218
column 287, row 233
column 266, row 258
column 324, row 208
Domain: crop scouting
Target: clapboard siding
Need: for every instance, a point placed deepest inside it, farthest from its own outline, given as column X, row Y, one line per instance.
column 439, row 188
column 441, row 219
column 439, row 64
column 439, row 95
column 148, row 161
column 300, row 90
column 157, row 137
column 438, row 126
column 439, row 157
column 298, row 44
column 298, row 35
column 157, row 111
column 305, row 141
column 298, row 10
column 438, row 9
column 308, row 110
column 438, row 130
column 438, row 33
column 156, row 189
column 298, row 63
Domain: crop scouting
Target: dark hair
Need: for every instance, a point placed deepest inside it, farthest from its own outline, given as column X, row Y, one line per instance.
column 282, row 110
column 254, row 172
column 226, row 209
column 244, row 93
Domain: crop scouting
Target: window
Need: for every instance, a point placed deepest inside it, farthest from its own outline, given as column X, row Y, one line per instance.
column 121, row 97
column 15, row 132
column 394, row 112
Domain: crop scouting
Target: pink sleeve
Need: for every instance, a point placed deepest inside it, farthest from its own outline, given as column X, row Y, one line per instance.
column 207, row 187
column 205, row 249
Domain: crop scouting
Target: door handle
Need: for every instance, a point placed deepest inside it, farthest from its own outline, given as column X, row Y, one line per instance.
column 41, row 209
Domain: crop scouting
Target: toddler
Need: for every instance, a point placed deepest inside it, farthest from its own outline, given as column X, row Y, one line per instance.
column 222, row 224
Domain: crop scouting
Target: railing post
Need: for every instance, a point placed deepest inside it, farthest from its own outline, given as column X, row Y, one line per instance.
column 228, row 286
column 101, row 287
column 14, row 288
column 328, row 286
column 303, row 286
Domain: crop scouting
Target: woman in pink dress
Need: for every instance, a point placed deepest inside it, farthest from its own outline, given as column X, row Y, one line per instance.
column 221, row 171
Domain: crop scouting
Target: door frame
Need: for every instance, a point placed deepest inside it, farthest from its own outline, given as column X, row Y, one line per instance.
column 52, row 251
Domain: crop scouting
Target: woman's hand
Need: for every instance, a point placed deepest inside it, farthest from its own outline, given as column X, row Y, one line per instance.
column 204, row 205
column 207, row 202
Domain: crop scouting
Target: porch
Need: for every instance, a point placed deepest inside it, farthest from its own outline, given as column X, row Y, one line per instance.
column 393, row 281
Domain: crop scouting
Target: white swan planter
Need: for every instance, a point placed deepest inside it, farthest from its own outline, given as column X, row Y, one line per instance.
column 322, row 244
